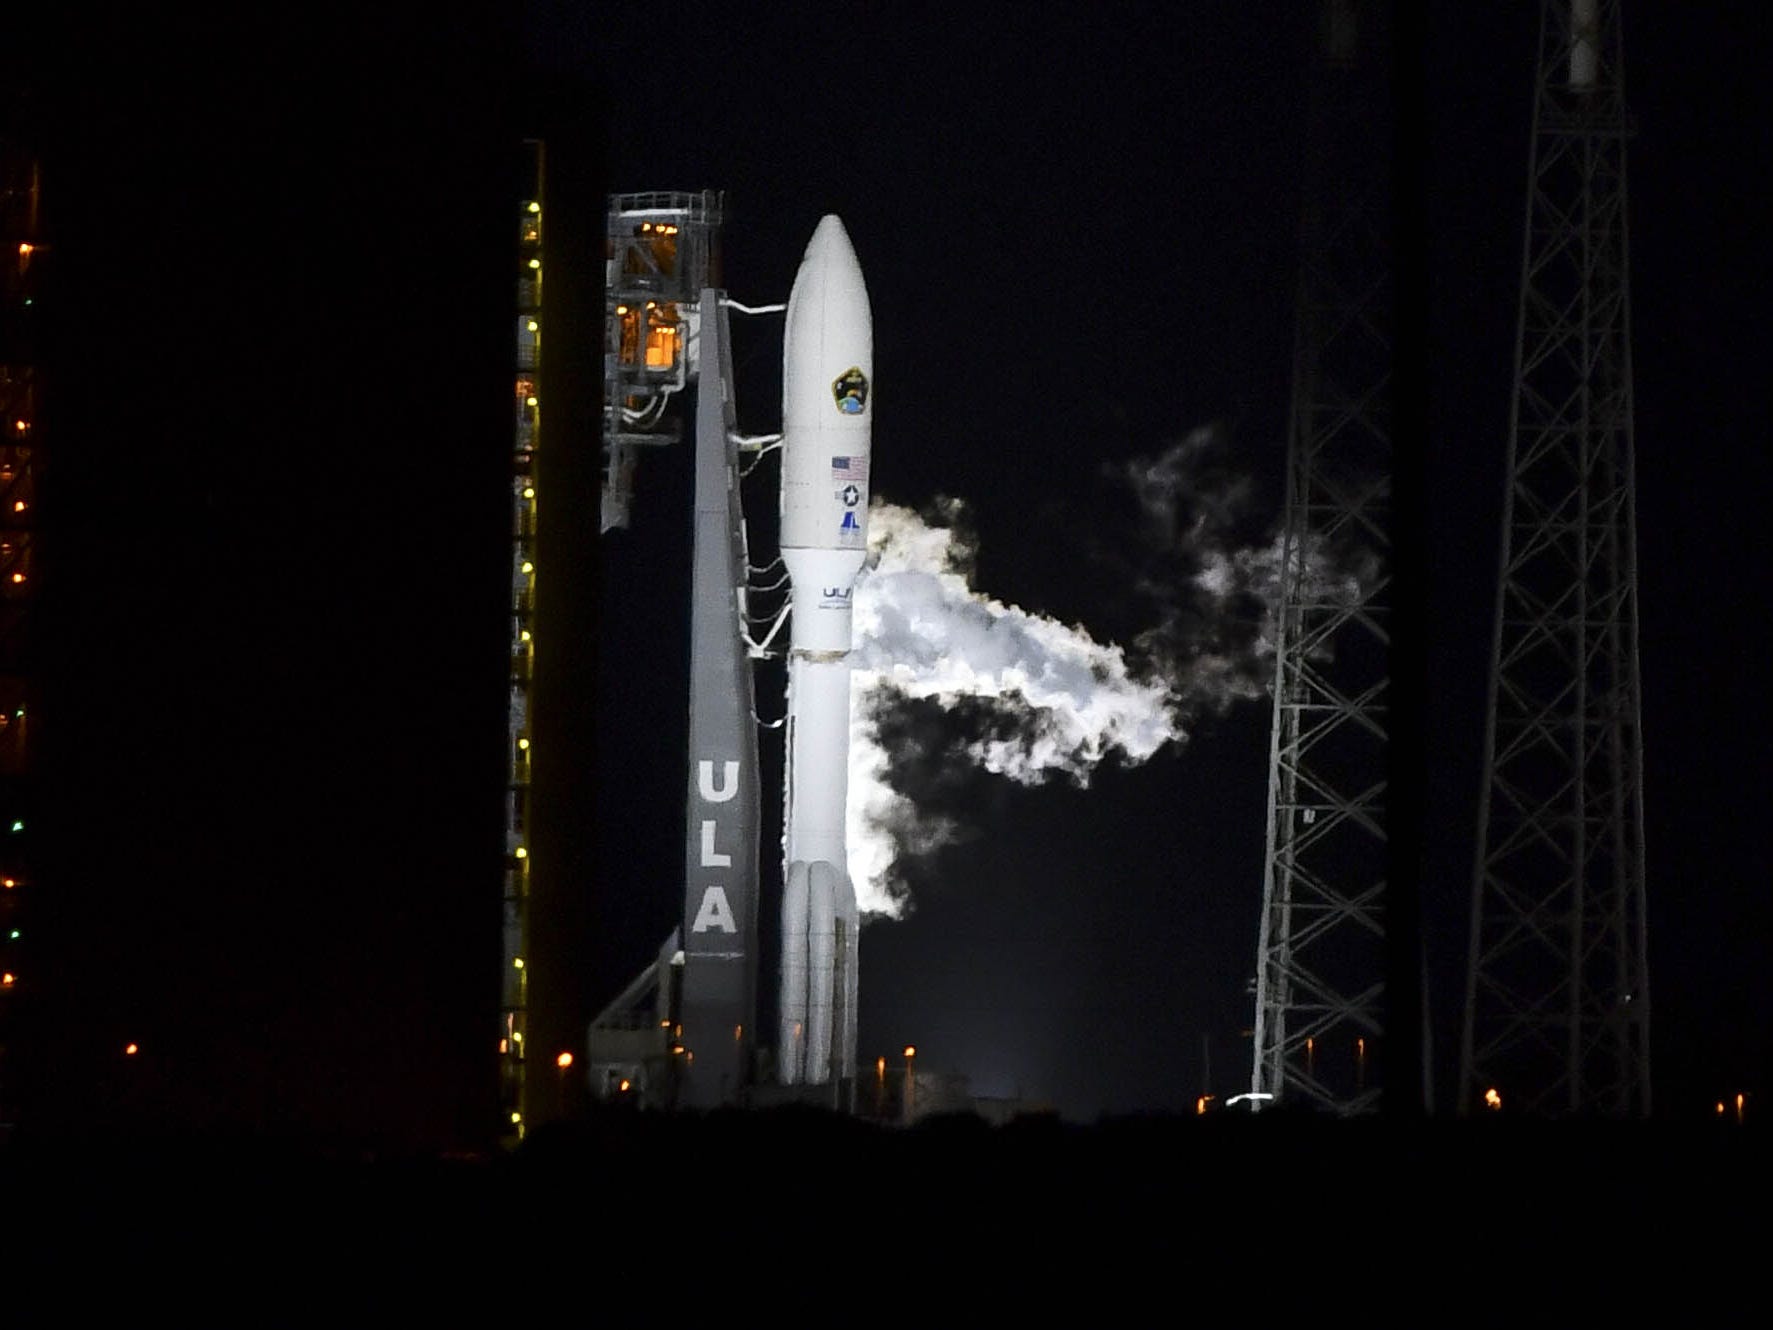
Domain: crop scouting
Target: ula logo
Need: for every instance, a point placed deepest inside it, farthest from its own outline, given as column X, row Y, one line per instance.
column 837, row 593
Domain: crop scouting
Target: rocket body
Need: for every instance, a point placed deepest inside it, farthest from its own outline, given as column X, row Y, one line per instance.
column 827, row 419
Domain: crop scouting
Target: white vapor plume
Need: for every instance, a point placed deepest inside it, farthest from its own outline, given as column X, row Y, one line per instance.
column 1028, row 697
column 923, row 632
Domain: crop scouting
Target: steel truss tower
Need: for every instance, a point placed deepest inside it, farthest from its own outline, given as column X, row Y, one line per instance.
column 1321, row 950
column 1557, row 998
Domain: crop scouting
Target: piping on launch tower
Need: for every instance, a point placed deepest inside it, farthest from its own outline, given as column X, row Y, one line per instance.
column 827, row 419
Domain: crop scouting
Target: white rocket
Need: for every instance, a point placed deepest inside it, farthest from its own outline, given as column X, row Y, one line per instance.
column 827, row 419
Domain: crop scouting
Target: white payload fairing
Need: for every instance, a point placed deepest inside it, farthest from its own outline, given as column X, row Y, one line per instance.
column 827, row 420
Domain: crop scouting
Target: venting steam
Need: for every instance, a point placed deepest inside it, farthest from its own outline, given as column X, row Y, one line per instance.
column 1029, row 698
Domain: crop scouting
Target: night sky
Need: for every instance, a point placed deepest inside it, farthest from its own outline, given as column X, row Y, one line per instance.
column 273, row 627
column 1078, row 232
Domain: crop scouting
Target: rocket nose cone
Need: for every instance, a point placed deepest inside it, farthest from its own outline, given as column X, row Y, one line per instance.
column 830, row 241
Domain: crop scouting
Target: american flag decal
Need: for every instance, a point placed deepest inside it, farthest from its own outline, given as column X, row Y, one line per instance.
column 849, row 468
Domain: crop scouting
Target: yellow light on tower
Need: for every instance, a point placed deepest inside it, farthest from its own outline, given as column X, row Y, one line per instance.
column 517, row 962
column 529, row 491
column 523, row 744
column 535, row 207
column 533, row 326
column 535, row 263
column 522, row 854
column 528, row 567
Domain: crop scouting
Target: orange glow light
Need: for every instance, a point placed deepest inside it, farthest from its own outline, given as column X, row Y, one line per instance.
column 625, row 1085
column 25, row 247
column 10, row 882
column 1492, row 1099
column 910, row 1050
column 6, row 979
column 564, row 1060
column 18, row 577
column 880, row 1068
column 130, row 1050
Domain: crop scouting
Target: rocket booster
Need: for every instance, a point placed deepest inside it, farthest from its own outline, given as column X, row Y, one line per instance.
column 827, row 419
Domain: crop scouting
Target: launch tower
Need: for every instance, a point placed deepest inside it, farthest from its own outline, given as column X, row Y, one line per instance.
column 1557, row 1008
column 683, row 1032
column 1321, row 946
column 526, row 409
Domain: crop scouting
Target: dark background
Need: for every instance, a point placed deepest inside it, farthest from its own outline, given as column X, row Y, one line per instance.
column 275, row 508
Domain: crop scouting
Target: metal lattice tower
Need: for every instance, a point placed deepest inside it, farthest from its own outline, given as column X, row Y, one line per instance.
column 1557, row 998
column 1321, row 950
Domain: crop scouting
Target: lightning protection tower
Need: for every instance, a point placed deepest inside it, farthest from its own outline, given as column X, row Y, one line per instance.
column 1321, row 949
column 1557, row 1013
